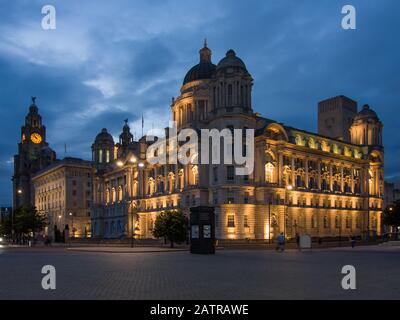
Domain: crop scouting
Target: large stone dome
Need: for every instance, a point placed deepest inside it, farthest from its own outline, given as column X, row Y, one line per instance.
column 231, row 61
column 204, row 70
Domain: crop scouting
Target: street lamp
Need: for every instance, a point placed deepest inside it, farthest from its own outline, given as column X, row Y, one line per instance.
column 72, row 224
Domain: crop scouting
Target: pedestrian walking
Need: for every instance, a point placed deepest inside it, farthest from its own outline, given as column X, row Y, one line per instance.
column 353, row 241
column 298, row 241
column 281, row 243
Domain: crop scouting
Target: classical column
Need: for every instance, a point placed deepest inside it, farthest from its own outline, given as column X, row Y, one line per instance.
column 330, row 176
column 280, row 168
column 341, row 178
column 306, row 164
column 293, row 173
column 319, row 174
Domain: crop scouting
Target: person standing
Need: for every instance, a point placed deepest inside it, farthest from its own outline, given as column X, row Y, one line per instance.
column 281, row 243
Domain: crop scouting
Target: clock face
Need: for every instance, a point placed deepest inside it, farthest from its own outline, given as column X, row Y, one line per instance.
column 36, row 138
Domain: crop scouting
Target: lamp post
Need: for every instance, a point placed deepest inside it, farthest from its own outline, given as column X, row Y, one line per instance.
column 72, row 224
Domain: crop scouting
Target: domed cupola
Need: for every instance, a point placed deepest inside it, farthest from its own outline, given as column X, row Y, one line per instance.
column 204, row 70
column 126, row 137
column 232, row 86
column 103, row 148
column 231, row 61
column 366, row 114
column 366, row 128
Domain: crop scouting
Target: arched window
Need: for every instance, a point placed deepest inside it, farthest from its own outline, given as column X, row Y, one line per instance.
column 100, row 156
column 195, row 172
column 269, row 172
column 108, row 195
column 314, row 221
column 181, row 177
column 348, row 222
column 119, row 193
column 114, row 195
column 326, row 222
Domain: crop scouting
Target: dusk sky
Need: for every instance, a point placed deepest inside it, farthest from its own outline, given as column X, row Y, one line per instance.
column 111, row 60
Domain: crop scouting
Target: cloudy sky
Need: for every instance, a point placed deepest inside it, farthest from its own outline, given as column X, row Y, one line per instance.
column 112, row 60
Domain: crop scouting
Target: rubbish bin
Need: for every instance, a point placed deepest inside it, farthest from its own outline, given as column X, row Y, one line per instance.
column 202, row 230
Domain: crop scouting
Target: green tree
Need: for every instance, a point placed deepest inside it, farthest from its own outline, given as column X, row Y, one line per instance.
column 391, row 216
column 28, row 220
column 172, row 225
column 5, row 226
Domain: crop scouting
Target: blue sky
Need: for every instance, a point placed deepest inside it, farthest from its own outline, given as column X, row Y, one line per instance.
column 112, row 60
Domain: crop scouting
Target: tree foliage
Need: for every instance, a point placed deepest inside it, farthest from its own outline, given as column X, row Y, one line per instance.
column 26, row 220
column 172, row 225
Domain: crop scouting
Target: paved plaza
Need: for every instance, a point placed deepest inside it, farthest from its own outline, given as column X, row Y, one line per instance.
column 230, row 274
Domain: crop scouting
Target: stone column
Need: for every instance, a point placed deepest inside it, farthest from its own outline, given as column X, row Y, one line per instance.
column 280, row 168
column 341, row 178
column 319, row 174
column 306, row 164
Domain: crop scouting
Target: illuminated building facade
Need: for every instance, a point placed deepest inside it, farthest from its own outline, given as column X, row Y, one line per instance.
column 63, row 193
column 302, row 183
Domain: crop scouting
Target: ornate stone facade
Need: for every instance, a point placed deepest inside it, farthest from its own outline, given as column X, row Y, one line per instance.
column 33, row 155
column 302, row 182
column 63, row 193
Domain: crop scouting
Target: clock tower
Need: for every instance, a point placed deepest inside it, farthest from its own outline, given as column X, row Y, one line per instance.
column 33, row 155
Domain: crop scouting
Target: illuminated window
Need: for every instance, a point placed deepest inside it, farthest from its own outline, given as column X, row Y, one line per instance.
column 107, row 156
column 231, row 221
column 119, row 193
column 246, row 221
column 326, row 223
column 100, row 156
column 269, row 172
column 314, row 221
column 195, row 172
column 337, row 223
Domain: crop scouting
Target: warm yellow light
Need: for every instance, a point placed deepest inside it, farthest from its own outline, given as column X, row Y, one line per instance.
column 133, row 160
column 289, row 187
column 120, row 163
column 19, row 191
column 59, row 217
column 141, row 164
